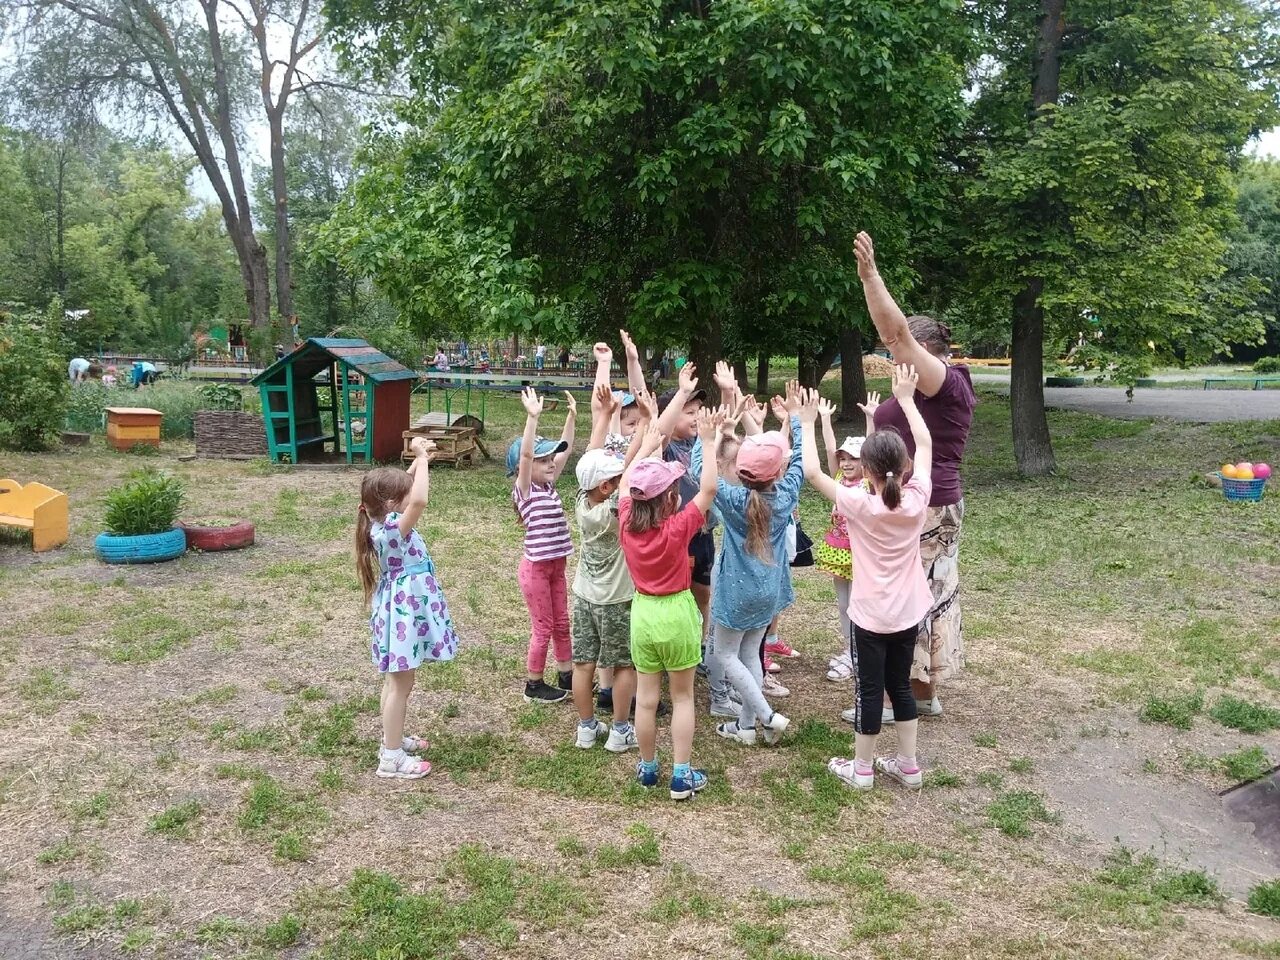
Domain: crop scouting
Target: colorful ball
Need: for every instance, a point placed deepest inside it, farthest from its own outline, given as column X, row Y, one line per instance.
column 1262, row 471
column 1229, row 471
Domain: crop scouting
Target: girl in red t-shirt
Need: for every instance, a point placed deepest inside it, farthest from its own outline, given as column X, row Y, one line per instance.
column 666, row 628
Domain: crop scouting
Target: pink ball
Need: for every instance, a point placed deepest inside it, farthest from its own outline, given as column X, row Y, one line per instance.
column 1261, row 471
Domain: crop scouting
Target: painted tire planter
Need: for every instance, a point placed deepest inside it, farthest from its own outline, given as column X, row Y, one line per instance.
column 146, row 548
column 1064, row 381
column 210, row 537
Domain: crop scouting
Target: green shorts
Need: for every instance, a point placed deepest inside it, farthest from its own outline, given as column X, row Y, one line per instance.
column 601, row 632
column 666, row 633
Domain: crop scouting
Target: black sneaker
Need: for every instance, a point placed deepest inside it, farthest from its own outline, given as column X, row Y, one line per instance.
column 566, row 680
column 664, row 708
column 604, row 699
column 537, row 691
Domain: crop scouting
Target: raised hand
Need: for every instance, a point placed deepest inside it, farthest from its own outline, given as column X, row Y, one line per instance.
column 572, row 403
column 872, row 404
column 905, row 380
column 603, row 400
column 734, row 414
column 754, row 410
column 648, row 404
column 651, row 440
column 602, row 353
column 810, row 402
column 794, row 398
column 826, row 409
column 779, row 408
column 689, row 378
column 629, row 345
column 421, row 446
column 725, row 379
column 532, row 402
column 709, row 423
column 865, row 253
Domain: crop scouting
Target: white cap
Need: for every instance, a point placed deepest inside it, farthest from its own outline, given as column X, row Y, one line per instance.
column 853, row 446
column 597, row 466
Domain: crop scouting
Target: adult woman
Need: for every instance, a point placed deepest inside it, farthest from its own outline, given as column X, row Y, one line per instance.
column 945, row 398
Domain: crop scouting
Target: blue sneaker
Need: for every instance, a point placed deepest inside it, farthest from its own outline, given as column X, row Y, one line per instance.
column 682, row 788
column 647, row 778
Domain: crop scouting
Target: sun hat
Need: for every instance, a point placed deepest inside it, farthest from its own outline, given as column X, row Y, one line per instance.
column 852, row 446
column 652, row 476
column 761, row 456
column 542, row 447
column 664, row 401
column 597, row 466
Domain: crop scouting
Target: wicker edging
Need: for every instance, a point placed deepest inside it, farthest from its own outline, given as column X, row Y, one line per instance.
column 230, row 433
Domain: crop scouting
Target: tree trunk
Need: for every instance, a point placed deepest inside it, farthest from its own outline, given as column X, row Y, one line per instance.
column 762, row 374
column 853, row 382
column 740, row 373
column 814, row 366
column 257, row 285
column 280, row 194
column 705, row 348
column 60, row 218
column 1032, row 445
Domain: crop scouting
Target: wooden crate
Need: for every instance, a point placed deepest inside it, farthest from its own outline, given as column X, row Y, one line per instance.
column 456, row 445
column 131, row 426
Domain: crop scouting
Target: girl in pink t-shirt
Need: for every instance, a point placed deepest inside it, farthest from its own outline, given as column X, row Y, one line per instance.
column 889, row 595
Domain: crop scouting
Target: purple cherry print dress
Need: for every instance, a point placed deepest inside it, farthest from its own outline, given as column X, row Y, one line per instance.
column 409, row 620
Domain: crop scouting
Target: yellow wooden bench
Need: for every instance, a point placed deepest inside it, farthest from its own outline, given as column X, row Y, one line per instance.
column 35, row 507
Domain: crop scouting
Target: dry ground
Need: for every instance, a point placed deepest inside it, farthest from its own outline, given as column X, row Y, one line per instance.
column 186, row 749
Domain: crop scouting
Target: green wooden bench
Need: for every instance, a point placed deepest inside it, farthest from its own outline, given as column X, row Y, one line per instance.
column 1256, row 381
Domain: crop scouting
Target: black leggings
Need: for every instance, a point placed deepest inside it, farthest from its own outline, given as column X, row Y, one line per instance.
column 882, row 663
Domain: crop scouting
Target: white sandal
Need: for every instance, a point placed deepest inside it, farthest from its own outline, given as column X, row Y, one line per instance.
column 841, row 668
column 403, row 767
column 411, row 744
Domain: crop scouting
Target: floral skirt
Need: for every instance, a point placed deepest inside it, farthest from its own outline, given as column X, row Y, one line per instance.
column 833, row 560
column 410, row 621
column 940, row 642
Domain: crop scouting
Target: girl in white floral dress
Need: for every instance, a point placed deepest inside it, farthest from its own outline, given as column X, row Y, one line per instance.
column 409, row 620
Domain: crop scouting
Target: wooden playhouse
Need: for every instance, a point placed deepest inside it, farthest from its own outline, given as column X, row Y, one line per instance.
column 335, row 396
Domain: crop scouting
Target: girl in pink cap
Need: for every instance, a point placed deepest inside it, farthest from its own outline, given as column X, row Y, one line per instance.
column 752, row 574
column 890, row 595
column 666, row 628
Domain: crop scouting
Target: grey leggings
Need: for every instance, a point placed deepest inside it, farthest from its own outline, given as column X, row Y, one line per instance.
column 843, row 587
column 738, row 653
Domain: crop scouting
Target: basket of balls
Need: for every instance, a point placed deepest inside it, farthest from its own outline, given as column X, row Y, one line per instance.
column 1244, row 481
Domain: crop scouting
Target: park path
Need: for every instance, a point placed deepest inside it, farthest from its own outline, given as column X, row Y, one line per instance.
column 1193, row 406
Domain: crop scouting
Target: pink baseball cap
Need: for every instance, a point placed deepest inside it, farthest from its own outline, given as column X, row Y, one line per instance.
column 761, row 456
column 652, row 476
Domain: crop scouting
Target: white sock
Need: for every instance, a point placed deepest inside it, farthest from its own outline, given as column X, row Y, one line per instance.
column 392, row 754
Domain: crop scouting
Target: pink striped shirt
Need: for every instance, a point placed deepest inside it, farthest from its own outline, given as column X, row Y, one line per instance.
column 546, row 528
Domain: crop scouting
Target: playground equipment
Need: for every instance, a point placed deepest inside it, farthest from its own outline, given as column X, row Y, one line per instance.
column 362, row 392
column 451, row 387
column 35, row 507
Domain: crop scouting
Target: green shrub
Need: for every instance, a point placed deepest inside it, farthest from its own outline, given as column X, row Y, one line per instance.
column 1265, row 898
column 33, row 379
column 1245, row 716
column 1267, row 365
column 220, row 396
column 177, row 399
column 147, row 502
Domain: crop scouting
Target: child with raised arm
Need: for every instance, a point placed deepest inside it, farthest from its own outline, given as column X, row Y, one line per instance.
column 666, row 629
column 602, row 588
column 408, row 619
column 890, row 595
column 536, row 463
column 832, row 554
column 625, row 420
column 752, row 576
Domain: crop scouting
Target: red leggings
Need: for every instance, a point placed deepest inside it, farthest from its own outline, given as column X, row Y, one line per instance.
column 546, row 594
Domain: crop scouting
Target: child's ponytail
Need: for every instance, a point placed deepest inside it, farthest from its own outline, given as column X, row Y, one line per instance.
column 891, row 492
column 366, row 562
column 884, row 461
column 759, row 521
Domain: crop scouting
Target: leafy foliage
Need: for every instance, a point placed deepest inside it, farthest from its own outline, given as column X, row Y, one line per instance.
column 33, row 379
column 147, row 502
column 1267, row 365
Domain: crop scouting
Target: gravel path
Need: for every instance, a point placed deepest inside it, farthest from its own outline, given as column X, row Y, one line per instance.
column 1194, row 406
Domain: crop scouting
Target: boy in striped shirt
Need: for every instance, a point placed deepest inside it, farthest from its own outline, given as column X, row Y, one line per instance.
column 536, row 462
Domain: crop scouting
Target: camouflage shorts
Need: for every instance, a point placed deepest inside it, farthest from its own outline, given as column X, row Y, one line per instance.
column 601, row 633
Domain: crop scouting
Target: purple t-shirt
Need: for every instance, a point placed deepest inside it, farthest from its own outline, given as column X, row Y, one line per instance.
column 947, row 414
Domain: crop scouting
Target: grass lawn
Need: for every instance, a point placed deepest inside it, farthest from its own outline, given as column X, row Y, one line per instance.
column 186, row 749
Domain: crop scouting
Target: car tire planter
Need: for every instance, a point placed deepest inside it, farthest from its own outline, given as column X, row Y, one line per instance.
column 145, row 548
column 1064, row 381
column 233, row 535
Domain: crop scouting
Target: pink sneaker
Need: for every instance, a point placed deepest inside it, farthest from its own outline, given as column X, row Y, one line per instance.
column 781, row 649
column 770, row 666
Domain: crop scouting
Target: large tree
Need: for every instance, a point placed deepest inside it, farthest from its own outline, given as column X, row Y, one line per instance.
column 212, row 69
column 695, row 170
column 1099, row 184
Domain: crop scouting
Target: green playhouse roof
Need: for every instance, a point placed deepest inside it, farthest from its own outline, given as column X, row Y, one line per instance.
column 318, row 352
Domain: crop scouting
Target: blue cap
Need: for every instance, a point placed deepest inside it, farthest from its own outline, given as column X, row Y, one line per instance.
column 624, row 399
column 542, row 447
